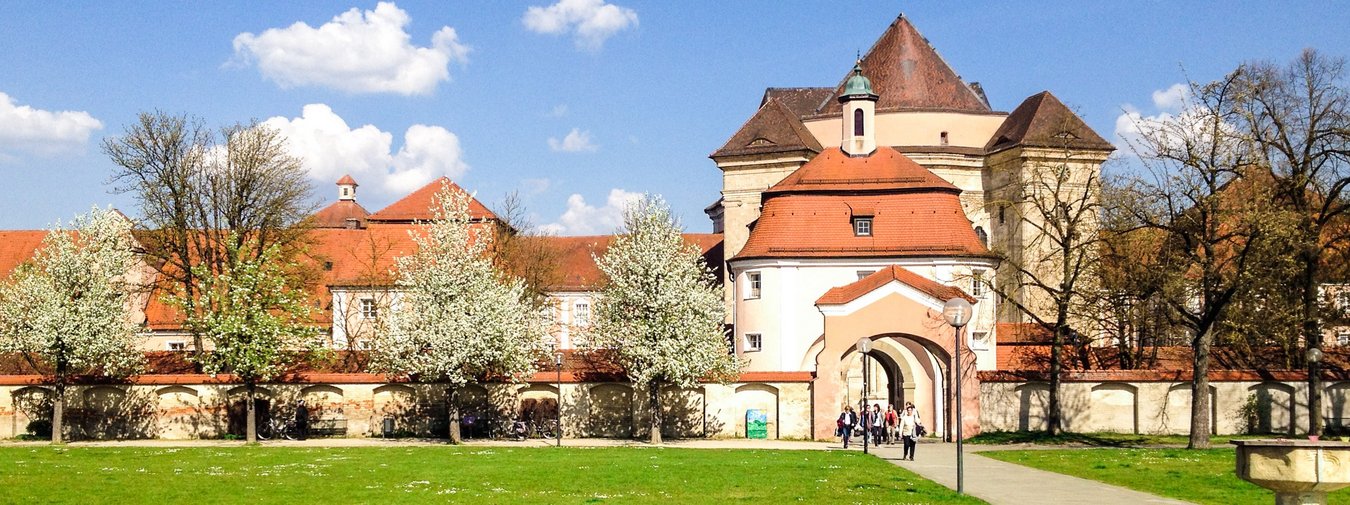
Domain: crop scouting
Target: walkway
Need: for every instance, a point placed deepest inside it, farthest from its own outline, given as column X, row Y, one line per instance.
column 999, row 483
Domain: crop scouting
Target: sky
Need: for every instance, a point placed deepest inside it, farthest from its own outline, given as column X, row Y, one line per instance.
column 577, row 106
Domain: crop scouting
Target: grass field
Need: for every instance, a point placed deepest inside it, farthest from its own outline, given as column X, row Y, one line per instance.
column 1205, row 476
column 455, row 474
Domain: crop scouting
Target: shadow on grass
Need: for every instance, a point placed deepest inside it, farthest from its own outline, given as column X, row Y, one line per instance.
column 1091, row 439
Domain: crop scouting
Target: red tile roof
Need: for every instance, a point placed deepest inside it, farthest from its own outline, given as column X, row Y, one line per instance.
column 580, row 273
column 335, row 215
column 884, row 170
column 908, row 74
column 18, row 246
column 1044, row 121
column 347, row 179
column 801, row 101
column 848, row 293
column 773, row 129
column 418, row 205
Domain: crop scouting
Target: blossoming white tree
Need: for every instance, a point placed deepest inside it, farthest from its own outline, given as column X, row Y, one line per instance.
column 255, row 315
column 457, row 319
column 65, row 311
column 660, row 315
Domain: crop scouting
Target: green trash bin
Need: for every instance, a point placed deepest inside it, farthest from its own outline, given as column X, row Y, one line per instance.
column 756, row 423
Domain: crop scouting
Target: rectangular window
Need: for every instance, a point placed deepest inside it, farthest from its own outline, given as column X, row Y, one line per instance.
column 979, row 339
column 1343, row 337
column 753, row 342
column 977, row 284
column 862, row 226
column 368, row 308
column 864, row 273
column 177, row 346
column 753, row 288
column 581, row 314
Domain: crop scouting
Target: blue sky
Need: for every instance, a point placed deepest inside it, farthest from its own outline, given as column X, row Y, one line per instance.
column 575, row 104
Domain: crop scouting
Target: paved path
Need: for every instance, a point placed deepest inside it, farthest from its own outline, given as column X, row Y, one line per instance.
column 999, row 483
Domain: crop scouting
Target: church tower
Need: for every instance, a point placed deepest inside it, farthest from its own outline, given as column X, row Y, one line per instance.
column 859, row 114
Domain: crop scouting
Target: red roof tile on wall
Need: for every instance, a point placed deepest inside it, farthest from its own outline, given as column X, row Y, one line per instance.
column 844, row 294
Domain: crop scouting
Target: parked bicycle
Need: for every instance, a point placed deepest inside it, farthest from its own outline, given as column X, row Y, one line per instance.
column 546, row 429
column 278, row 429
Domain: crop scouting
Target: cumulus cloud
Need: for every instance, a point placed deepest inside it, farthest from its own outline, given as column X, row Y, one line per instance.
column 581, row 218
column 331, row 148
column 46, row 133
column 1132, row 122
column 576, row 141
column 591, row 22
column 356, row 52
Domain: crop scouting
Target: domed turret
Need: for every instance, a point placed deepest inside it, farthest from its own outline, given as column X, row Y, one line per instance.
column 859, row 104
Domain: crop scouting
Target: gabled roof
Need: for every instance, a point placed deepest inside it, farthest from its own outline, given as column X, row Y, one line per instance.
column 418, row 205
column 1044, row 121
column 896, row 273
column 883, row 170
column 908, row 74
column 336, row 215
column 801, row 101
column 774, row 128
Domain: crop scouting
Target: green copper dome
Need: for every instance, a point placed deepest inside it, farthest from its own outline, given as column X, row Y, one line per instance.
column 858, row 84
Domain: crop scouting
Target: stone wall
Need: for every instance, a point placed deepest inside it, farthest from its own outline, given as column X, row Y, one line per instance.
column 160, row 408
column 1162, row 407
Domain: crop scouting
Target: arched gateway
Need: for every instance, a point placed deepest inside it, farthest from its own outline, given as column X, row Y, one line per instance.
column 901, row 313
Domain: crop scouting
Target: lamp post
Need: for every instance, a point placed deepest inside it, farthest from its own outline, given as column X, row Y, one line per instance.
column 557, row 366
column 957, row 312
column 1314, row 356
column 864, row 347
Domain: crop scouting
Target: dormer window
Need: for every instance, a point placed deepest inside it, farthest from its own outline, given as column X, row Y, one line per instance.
column 862, row 226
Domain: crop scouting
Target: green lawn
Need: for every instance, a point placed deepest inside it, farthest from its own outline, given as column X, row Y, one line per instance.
column 459, row 474
column 1204, row 476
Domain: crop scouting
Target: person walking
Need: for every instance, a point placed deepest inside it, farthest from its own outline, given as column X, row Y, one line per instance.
column 847, row 420
column 892, row 418
column 876, row 424
column 909, row 431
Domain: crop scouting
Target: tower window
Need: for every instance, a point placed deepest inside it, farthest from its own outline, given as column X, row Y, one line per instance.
column 754, row 288
column 942, row 138
column 977, row 284
column 857, row 122
column 982, row 235
column 862, row 226
column 1001, row 208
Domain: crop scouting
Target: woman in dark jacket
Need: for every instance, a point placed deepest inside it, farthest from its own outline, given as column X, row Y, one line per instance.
column 847, row 421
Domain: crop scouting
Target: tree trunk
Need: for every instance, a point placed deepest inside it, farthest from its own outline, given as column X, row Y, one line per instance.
column 1312, row 335
column 1200, row 421
column 251, row 418
column 1053, row 414
column 453, row 414
column 58, row 410
column 654, row 390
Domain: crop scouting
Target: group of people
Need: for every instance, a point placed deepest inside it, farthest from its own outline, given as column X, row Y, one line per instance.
column 883, row 427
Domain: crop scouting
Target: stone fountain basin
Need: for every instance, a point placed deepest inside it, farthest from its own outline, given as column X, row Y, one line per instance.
column 1294, row 466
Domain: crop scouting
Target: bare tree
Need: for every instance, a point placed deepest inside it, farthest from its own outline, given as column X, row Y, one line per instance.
column 525, row 251
column 1299, row 116
column 1209, row 234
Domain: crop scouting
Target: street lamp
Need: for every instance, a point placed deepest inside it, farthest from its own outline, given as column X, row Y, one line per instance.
column 557, row 365
column 864, row 347
column 957, row 312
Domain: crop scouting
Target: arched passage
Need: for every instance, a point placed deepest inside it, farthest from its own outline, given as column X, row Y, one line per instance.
column 902, row 368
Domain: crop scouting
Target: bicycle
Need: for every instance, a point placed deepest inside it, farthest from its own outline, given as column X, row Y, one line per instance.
column 547, row 430
column 276, row 428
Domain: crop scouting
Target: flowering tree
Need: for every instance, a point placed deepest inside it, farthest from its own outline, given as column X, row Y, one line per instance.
column 255, row 314
column 457, row 319
column 65, row 311
column 660, row 316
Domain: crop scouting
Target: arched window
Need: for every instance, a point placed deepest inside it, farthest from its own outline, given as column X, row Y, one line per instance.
column 857, row 122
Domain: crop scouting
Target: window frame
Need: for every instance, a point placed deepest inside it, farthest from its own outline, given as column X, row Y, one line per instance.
column 181, row 345
column 754, row 338
column 581, row 313
column 369, row 309
column 754, row 285
column 860, row 222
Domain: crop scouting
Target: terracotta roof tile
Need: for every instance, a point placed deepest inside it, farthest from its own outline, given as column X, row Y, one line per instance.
column 417, row 206
column 580, row 273
column 774, row 128
column 801, row 101
column 347, row 179
column 908, row 74
column 884, row 170
column 18, row 246
column 1044, row 121
column 896, row 273
column 336, row 215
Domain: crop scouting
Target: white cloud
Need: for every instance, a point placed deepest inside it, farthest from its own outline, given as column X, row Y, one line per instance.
column 532, row 187
column 331, row 148
column 356, row 52
column 576, row 141
column 559, row 110
column 581, row 218
column 1173, row 113
column 41, row 132
column 1173, row 98
column 590, row 21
